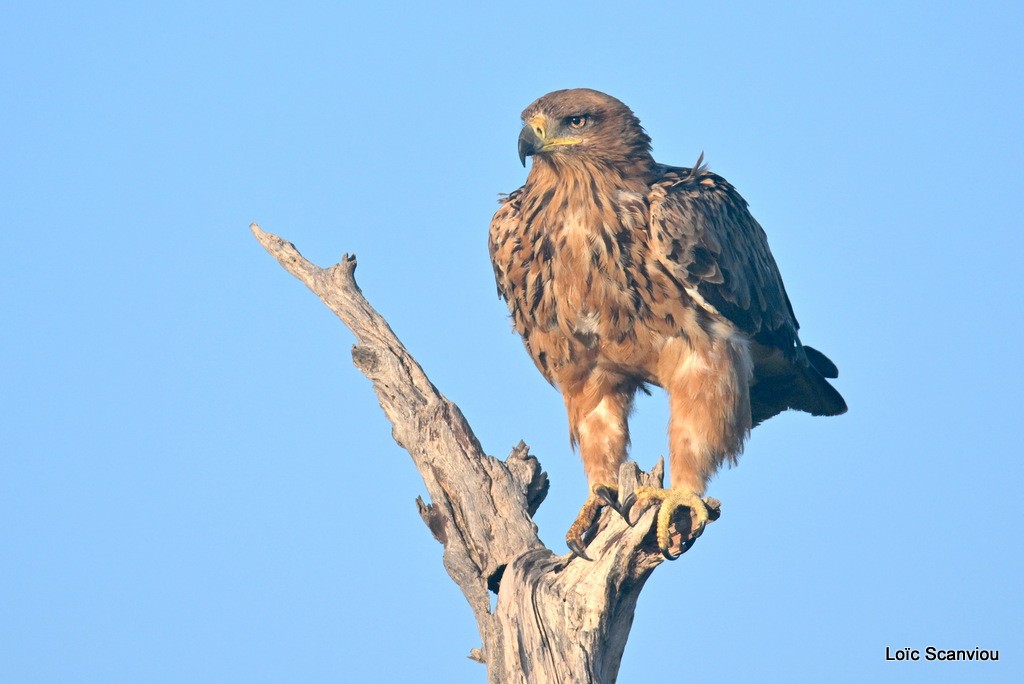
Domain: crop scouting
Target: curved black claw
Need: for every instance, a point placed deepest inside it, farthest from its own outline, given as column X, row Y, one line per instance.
column 577, row 549
column 697, row 532
column 683, row 548
column 608, row 496
column 626, row 507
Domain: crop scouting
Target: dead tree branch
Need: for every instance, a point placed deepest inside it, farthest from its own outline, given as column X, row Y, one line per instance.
column 558, row 618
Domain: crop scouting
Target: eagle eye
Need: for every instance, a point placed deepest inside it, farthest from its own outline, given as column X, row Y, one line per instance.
column 577, row 121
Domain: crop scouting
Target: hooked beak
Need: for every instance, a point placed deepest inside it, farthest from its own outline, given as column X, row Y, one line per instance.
column 535, row 137
column 529, row 143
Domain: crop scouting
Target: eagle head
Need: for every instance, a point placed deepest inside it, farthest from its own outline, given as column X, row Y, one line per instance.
column 583, row 124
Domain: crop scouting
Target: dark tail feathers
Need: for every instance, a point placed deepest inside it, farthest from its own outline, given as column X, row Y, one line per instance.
column 805, row 389
column 821, row 363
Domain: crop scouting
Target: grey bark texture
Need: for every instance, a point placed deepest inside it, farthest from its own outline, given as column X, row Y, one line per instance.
column 558, row 618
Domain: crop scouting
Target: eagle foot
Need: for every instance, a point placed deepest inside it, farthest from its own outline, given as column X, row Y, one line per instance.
column 671, row 501
column 600, row 496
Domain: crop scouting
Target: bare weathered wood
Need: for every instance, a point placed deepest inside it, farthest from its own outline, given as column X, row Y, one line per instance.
column 557, row 618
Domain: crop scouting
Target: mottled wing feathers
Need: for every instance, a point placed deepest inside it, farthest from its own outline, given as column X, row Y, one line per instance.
column 721, row 255
column 511, row 266
column 504, row 242
column 503, row 228
column 702, row 225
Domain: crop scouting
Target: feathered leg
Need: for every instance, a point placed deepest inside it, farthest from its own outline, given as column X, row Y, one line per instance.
column 598, row 411
column 709, row 401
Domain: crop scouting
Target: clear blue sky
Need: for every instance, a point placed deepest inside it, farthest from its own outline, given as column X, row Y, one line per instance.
column 197, row 486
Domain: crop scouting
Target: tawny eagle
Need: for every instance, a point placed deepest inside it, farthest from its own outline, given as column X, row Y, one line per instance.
column 621, row 272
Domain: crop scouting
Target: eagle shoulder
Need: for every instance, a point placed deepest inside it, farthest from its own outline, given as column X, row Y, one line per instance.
column 703, row 231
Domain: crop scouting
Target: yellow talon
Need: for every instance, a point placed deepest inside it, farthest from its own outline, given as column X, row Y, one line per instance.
column 671, row 500
column 601, row 495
